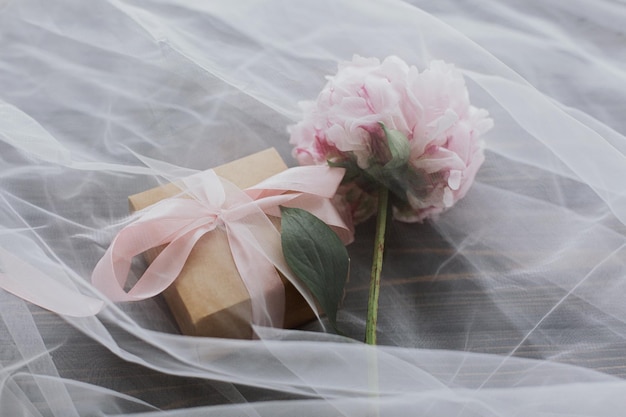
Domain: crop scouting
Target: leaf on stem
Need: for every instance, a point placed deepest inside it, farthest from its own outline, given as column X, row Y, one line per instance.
column 399, row 148
column 316, row 256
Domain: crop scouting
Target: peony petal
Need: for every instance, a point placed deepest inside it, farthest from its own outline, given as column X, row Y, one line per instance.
column 379, row 95
column 443, row 123
column 454, row 179
column 448, row 197
column 439, row 160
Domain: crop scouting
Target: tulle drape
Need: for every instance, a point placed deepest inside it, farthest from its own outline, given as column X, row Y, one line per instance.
column 511, row 303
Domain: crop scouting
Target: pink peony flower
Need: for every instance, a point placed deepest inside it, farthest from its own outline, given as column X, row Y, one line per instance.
column 430, row 108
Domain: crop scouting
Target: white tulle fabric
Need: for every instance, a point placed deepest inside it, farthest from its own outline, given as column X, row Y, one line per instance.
column 90, row 91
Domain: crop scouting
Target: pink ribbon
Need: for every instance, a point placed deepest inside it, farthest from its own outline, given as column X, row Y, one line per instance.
column 53, row 292
column 254, row 241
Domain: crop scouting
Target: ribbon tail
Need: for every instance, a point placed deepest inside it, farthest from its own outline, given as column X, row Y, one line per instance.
column 264, row 245
column 29, row 283
column 320, row 180
column 266, row 290
column 310, row 188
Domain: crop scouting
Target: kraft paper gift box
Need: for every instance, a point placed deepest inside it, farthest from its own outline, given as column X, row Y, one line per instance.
column 208, row 298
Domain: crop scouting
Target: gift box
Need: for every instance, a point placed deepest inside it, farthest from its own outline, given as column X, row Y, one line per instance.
column 208, row 298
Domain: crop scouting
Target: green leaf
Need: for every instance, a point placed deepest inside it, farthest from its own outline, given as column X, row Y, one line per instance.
column 398, row 146
column 316, row 256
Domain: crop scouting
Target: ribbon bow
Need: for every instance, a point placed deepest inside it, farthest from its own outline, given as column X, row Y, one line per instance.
column 254, row 241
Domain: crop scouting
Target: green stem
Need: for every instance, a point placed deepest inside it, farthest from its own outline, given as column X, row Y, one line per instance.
column 377, row 266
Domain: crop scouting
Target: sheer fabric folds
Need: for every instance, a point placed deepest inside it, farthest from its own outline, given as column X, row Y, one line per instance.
column 511, row 303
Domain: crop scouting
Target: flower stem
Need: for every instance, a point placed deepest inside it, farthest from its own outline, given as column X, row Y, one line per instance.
column 377, row 266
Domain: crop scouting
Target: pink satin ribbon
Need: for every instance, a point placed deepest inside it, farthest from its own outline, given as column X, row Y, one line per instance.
column 255, row 244
column 53, row 292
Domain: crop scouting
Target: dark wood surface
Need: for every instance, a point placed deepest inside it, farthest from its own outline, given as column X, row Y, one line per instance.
column 436, row 307
column 421, row 306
